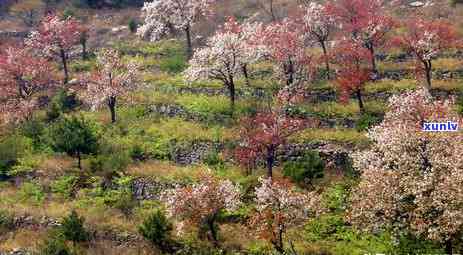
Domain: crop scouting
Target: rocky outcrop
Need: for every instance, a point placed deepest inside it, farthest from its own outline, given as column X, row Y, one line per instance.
column 195, row 152
column 334, row 155
column 146, row 188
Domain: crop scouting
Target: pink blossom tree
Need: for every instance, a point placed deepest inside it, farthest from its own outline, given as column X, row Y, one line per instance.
column 225, row 56
column 55, row 37
column 200, row 204
column 263, row 134
column 164, row 16
column 278, row 207
column 425, row 40
column 319, row 25
column 286, row 46
column 366, row 21
column 22, row 78
column 410, row 179
column 112, row 79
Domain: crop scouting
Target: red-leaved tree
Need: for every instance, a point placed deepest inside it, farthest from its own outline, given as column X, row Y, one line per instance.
column 352, row 74
column 365, row 21
column 55, row 37
column 22, row 78
column 425, row 40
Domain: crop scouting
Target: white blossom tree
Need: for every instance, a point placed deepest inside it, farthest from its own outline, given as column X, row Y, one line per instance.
column 225, row 56
column 411, row 180
column 111, row 79
column 201, row 203
column 278, row 207
column 164, row 16
column 319, row 25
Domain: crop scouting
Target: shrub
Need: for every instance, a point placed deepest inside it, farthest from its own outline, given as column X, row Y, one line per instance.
column 367, row 120
column 62, row 102
column 214, row 160
column 409, row 244
column 12, row 148
column 459, row 103
column 74, row 136
column 65, row 186
column 335, row 197
column 26, row 164
column 35, row 130
column 72, row 228
column 121, row 197
column 157, row 230
column 336, row 237
column 173, row 64
column 303, row 170
column 133, row 24
column 31, row 192
column 54, row 245
column 6, row 221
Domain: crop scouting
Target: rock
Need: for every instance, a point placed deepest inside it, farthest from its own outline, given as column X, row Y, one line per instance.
column 119, row 29
column 145, row 188
column 73, row 82
column 416, row 4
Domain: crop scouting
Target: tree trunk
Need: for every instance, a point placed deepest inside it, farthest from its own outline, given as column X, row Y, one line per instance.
column 211, row 225
column 112, row 108
column 272, row 13
column 270, row 161
column 448, row 246
column 244, row 68
column 358, row 94
column 327, row 63
column 373, row 60
column 65, row 65
column 278, row 247
column 84, row 49
column 427, row 70
column 189, row 46
column 231, row 89
column 79, row 159
column 289, row 71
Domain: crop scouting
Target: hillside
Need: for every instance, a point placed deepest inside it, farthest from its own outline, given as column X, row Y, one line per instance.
column 262, row 136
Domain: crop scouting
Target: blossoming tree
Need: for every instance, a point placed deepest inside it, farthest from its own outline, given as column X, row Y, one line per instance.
column 200, row 204
column 410, row 179
column 278, row 207
column 366, row 21
column 55, row 37
column 225, row 56
column 111, row 79
column 425, row 40
column 263, row 134
column 286, row 45
column 319, row 25
column 22, row 78
column 163, row 16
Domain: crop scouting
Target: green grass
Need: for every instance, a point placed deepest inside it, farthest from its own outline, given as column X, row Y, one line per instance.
column 340, row 136
column 332, row 109
column 390, row 86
